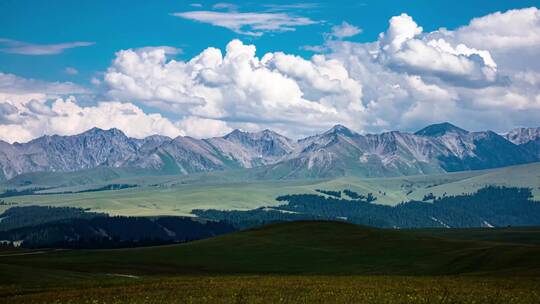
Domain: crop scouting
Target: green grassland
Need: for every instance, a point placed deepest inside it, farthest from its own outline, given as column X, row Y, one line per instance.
column 287, row 289
column 175, row 199
column 527, row 176
column 511, row 235
column 307, row 262
column 301, row 262
column 240, row 189
column 329, row 248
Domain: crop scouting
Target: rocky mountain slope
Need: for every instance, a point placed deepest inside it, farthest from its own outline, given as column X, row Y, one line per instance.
column 528, row 138
column 112, row 148
column 336, row 152
column 521, row 136
column 436, row 148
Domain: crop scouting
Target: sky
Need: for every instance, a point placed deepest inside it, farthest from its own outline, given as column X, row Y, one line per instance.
column 204, row 68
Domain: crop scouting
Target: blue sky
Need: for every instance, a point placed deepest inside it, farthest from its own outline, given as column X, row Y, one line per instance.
column 151, row 67
column 116, row 25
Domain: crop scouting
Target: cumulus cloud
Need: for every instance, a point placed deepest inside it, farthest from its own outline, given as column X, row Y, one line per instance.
column 512, row 37
column 404, row 47
column 238, row 87
column 425, row 77
column 30, row 108
column 512, row 29
column 147, row 76
column 23, row 120
column 405, row 79
column 25, row 48
column 251, row 24
column 401, row 29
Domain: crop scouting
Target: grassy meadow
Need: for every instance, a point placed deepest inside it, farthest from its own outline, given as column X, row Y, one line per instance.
column 178, row 195
column 300, row 262
column 288, row 289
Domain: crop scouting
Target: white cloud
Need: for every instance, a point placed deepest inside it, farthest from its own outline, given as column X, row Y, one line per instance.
column 147, row 76
column 512, row 38
column 345, row 30
column 31, row 108
column 251, row 24
column 411, row 78
column 339, row 32
column 402, row 28
column 226, row 6
column 13, row 84
column 513, row 29
column 167, row 50
column 404, row 80
column 314, row 48
column 95, row 81
column 238, row 87
column 28, row 119
column 203, row 127
column 406, row 48
column 24, row 48
column 71, row 71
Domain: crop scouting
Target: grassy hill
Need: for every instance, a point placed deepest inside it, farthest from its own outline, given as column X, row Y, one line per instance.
column 240, row 189
column 73, row 180
column 511, row 235
column 290, row 262
column 527, row 176
column 305, row 248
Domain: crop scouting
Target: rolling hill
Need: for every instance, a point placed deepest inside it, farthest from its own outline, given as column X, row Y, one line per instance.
column 301, row 262
column 304, row 248
column 178, row 195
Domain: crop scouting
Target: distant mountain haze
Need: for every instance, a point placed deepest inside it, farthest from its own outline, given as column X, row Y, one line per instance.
column 336, row 152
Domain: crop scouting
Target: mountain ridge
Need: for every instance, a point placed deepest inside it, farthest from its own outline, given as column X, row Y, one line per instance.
column 338, row 151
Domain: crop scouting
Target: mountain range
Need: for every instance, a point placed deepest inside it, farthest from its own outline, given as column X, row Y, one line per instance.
column 339, row 151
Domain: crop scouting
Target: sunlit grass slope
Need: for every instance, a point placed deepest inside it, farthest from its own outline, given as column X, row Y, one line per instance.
column 178, row 195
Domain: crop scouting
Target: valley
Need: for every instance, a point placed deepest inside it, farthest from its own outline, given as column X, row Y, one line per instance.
column 237, row 190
